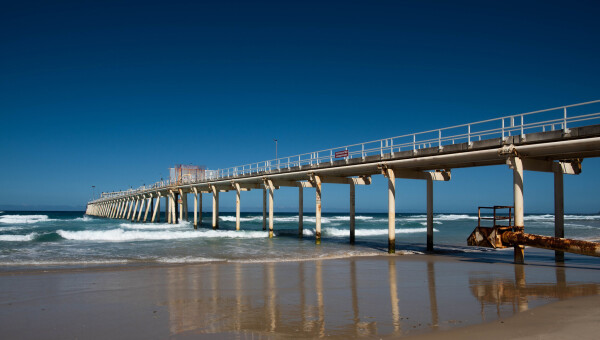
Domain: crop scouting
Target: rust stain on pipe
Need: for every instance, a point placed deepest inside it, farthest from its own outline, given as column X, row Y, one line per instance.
column 553, row 243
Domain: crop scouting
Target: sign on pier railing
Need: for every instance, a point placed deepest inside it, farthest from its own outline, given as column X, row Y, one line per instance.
column 341, row 154
column 558, row 118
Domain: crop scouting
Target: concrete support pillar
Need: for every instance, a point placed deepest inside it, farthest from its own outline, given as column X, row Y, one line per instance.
column 317, row 183
column 517, row 166
column 352, row 212
column 171, row 208
column 391, row 210
column 137, row 201
column 559, row 213
column 176, row 208
column 123, row 209
column 300, row 210
column 264, row 209
column 185, row 207
column 180, row 205
column 237, row 206
column 215, row 216
column 195, row 208
column 429, row 214
column 119, row 209
column 142, row 205
column 199, row 207
column 156, row 210
column 129, row 209
column 271, row 188
column 148, row 208
column 168, row 215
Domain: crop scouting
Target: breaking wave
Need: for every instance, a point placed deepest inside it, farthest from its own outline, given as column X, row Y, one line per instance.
column 335, row 232
column 84, row 219
column 550, row 217
column 155, row 226
column 137, row 235
column 24, row 219
column 18, row 238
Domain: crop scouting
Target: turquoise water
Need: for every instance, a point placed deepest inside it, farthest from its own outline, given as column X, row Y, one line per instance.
column 67, row 239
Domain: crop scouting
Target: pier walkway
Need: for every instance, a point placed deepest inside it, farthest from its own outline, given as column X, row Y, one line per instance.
column 552, row 140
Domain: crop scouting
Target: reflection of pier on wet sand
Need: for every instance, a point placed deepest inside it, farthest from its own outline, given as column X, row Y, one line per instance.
column 324, row 298
column 516, row 293
column 369, row 296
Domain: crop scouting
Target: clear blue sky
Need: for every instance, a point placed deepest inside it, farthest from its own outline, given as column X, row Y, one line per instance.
column 113, row 93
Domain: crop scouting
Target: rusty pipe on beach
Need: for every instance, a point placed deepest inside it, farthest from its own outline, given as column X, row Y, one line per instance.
column 553, row 243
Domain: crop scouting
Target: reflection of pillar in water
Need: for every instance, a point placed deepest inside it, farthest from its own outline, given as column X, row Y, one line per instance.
column 302, row 295
column 353, row 287
column 238, row 296
column 272, row 295
column 320, row 304
column 520, row 284
column 432, row 295
column 215, row 296
column 394, row 296
column 561, row 282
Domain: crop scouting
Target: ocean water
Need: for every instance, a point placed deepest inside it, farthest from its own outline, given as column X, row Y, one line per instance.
column 71, row 239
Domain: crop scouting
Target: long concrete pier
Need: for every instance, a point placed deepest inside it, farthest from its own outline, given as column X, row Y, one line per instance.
column 535, row 141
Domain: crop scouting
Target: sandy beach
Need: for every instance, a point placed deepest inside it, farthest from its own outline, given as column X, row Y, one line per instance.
column 427, row 296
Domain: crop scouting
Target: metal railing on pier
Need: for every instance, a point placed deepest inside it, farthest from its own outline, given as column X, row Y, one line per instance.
column 555, row 119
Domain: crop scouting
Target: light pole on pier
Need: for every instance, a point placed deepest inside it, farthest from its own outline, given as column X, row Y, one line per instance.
column 93, row 192
column 276, row 160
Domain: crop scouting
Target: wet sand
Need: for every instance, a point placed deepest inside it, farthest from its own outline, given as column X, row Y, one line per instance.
column 429, row 296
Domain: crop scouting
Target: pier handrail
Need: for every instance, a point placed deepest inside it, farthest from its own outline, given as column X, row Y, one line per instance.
column 502, row 127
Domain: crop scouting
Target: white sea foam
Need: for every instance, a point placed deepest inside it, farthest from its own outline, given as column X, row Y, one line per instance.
column 84, row 219
column 454, row 217
column 187, row 259
column 335, row 232
column 242, row 219
column 331, row 219
column 10, row 228
column 550, row 217
column 24, row 219
column 18, row 238
column 315, row 257
column 155, row 226
column 324, row 219
column 117, row 235
column 61, row 263
column 434, row 222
